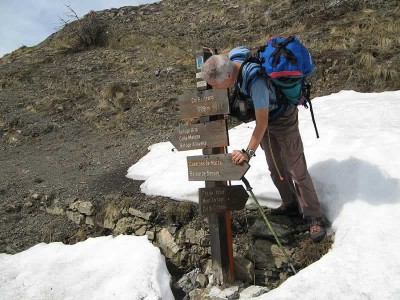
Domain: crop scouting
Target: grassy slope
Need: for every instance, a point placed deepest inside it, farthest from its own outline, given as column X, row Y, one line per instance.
column 145, row 58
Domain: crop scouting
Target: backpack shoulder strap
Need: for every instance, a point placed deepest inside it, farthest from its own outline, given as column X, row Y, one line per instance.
column 253, row 73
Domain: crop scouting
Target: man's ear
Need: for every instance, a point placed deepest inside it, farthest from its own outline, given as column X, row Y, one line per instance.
column 230, row 77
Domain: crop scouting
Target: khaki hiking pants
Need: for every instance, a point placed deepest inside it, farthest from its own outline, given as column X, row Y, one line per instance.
column 284, row 152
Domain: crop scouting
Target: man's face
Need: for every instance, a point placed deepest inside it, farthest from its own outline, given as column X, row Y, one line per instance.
column 224, row 84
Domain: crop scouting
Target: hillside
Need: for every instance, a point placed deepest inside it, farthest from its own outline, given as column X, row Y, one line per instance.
column 82, row 106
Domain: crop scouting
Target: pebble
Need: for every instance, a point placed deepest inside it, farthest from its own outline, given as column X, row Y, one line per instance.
column 38, row 180
column 28, row 204
column 10, row 250
column 202, row 280
column 36, row 196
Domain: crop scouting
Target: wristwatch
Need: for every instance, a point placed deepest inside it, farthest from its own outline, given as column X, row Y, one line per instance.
column 249, row 152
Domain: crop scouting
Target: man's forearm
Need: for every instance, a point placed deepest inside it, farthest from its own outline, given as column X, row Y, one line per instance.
column 260, row 129
column 258, row 133
column 256, row 137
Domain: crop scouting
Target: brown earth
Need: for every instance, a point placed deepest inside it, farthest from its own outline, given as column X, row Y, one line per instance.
column 82, row 106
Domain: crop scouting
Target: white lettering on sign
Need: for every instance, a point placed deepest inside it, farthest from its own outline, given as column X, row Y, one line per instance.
column 198, row 75
column 216, row 162
column 203, row 108
column 209, row 173
column 189, row 137
column 188, row 130
column 197, row 174
column 194, row 137
column 203, row 173
column 204, row 163
column 217, row 106
column 202, row 99
column 190, row 145
column 212, row 200
column 197, row 163
column 198, row 144
column 213, row 193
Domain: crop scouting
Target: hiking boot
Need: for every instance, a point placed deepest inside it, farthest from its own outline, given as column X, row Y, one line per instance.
column 285, row 210
column 317, row 229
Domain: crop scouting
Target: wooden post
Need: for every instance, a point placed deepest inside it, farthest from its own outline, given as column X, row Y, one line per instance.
column 219, row 222
column 220, row 234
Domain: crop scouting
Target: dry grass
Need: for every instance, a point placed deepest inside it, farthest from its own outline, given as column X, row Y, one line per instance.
column 366, row 59
column 125, row 202
column 81, row 234
column 379, row 32
column 19, row 51
column 113, row 95
column 159, row 47
column 267, row 18
column 349, row 41
column 297, row 28
column 384, row 73
column 180, row 212
column 64, row 44
column 111, row 210
column 47, row 232
column 111, row 90
column 116, row 41
column 384, row 42
column 367, row 23
column 393, row 26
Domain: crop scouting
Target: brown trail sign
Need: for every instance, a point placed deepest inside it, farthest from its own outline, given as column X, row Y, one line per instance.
column 221, row 199
column 215, row 167
column 203, row 103
column 200, row 136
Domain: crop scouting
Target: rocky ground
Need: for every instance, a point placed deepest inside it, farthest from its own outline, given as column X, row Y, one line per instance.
column 81, row 107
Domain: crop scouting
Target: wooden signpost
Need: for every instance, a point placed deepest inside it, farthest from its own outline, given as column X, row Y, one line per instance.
column 216, row 167
column 209, row 132
column 200, row 136
column 203, row 103
column 222, row 199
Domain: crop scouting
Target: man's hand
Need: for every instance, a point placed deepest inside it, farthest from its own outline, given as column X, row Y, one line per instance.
column 238, row 157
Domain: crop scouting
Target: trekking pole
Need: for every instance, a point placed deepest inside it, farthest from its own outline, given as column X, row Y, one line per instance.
column 250, row 189
column 313, row 119
column 308, row 96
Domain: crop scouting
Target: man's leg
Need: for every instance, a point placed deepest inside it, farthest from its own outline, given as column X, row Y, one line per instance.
column 287, row 134
column 286, row 131
column 308, row 200
column 277, row 169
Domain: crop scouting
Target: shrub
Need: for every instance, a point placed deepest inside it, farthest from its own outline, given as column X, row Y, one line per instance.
column 88, row 32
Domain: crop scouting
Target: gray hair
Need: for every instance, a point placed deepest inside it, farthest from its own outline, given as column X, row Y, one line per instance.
column 217, row 68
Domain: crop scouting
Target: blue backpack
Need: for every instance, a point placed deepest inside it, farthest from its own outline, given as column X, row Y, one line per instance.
column 286, row 62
